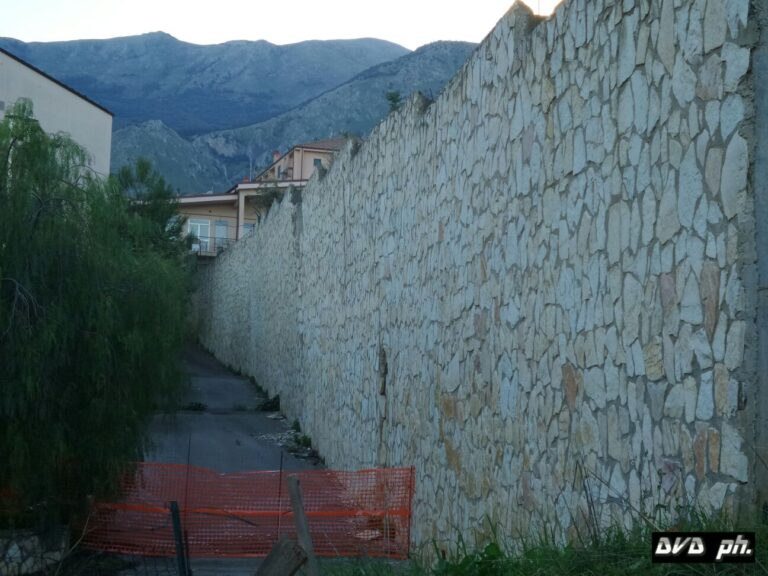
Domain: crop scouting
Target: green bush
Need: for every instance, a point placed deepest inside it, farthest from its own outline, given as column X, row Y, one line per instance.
column 93, row 296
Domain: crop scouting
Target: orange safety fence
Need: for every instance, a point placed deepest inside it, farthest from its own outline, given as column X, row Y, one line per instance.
column 364, row 513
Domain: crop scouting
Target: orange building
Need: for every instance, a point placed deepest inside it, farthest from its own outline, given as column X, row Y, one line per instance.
column 217, row 220
column 301, row 161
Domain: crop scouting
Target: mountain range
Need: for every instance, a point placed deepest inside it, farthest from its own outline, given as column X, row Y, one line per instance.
column 207, row 116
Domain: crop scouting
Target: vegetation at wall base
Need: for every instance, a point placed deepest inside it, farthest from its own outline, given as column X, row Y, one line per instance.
column 93, row 296
column 615, row 553
column 270, row 404
column 304, row 441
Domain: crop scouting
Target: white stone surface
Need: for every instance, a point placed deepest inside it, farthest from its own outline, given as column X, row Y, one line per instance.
column 532, row 252
column 705, row 407
column 734, row 179
column 715, row 25
column 733, row 461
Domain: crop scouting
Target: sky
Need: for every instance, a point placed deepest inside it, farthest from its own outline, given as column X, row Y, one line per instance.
column 410, row 23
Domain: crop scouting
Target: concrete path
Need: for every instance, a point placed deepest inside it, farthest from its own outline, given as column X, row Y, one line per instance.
column 221, row 429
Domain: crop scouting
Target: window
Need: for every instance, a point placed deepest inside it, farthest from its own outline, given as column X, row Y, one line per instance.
column 200, row 229
column 222, row 235
column 248, row 230
column 317, row 162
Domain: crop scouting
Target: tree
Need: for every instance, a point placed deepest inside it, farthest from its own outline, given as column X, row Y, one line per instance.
column 395, row 100
column 93, row 294
column 155, row 204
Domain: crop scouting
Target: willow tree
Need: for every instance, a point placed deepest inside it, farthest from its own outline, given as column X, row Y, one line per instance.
column 93, row 293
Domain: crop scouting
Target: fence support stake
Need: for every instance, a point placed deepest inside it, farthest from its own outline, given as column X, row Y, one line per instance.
column 302, row 526
column 285, row 559
column 181, row 557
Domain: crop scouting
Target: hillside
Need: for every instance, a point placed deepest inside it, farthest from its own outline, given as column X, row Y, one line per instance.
column 186, row 168
column 354, row 107
column 194, row 88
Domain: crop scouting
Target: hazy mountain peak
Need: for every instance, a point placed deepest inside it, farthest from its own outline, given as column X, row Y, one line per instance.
column 155, row 34
column 194, row 88
column 209, row 115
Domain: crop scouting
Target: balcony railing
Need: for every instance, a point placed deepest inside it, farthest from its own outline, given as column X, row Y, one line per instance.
column 210, row 245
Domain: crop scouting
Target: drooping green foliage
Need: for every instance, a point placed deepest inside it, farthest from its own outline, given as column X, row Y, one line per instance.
column 93, row 294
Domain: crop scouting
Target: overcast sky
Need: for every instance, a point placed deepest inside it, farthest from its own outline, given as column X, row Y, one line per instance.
column 411, row 23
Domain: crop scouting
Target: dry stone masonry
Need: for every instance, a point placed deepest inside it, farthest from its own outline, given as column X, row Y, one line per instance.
column 540, row 289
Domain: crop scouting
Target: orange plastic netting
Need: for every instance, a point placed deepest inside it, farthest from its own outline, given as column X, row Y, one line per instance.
column 365, row 513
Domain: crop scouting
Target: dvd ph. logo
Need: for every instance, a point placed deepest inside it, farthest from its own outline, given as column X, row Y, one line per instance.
column 703, row 547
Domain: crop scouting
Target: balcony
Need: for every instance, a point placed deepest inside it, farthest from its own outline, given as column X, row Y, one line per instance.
column 210, row 246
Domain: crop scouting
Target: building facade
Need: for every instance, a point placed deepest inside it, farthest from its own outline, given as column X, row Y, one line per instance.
column 300, row 162
column 58, row 108
column 217, row 220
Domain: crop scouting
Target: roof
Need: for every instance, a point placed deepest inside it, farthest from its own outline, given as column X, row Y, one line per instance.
column 54, row 80
column 188, row 198
column 334, row 144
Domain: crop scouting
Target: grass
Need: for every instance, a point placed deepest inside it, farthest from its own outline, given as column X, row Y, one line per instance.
column 615, row 553
column 304, row 441
column 618, row 554
column 301, row 440
column 369, row 567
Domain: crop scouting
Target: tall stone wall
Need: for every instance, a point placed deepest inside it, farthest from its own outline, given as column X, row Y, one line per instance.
column 540, row 289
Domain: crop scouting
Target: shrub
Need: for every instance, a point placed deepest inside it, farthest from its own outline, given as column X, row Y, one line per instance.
column 93, row 294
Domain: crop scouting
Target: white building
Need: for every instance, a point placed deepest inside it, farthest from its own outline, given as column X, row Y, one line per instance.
column 58, row 108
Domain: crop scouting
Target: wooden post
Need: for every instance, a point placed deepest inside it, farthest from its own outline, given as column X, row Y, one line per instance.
column 181, row 557
column 302, row 526
column 284, row 559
